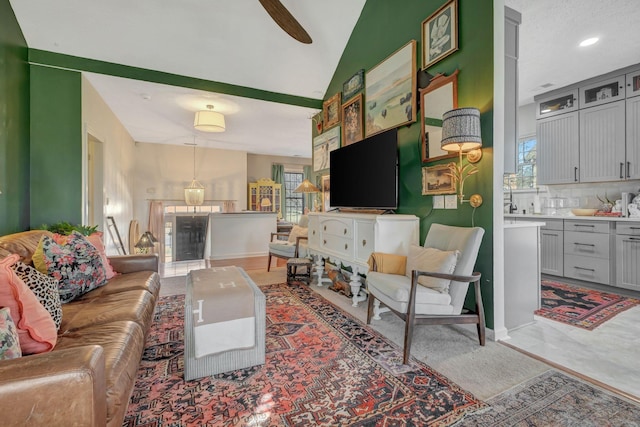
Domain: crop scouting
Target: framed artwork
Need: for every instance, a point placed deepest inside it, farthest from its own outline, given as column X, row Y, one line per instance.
column 323, row 144
column 331, row 111
column 440, row 34
column 326, row 193
column 440, row 96
column 437, row 180
column 352, row 130
column 316, row 119
column 352, row 86
column 390, row 91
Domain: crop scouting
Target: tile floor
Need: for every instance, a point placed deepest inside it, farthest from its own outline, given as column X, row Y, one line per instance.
column 608, row 354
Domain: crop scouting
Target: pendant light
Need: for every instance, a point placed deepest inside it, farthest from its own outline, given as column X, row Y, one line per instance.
column 194, row 193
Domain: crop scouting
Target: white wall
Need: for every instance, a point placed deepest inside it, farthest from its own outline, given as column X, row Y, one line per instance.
column 527, row 120
column 163, row 171
column 99, row 121
column 259, row 166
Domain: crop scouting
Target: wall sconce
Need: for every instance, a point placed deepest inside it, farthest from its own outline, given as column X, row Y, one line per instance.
column 461, row 134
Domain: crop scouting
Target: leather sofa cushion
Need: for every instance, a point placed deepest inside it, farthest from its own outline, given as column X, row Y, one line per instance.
column 24, row 243
column 136, row 306
column 122, row 343
column 140, row 280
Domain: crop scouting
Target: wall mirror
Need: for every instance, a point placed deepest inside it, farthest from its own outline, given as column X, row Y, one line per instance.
column 440, row 96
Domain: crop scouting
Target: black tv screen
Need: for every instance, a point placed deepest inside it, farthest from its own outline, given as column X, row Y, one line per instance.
column 365, row 174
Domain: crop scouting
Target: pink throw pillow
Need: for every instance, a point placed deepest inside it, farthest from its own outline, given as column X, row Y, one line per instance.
column 36, row 329
column 96, row 240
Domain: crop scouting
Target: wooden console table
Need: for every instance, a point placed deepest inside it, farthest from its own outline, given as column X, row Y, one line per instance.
column 349, row 238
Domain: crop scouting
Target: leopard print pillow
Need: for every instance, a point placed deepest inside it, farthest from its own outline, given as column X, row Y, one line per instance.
column 44, row 287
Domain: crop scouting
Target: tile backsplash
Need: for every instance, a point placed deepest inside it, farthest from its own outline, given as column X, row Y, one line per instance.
column 585, row 195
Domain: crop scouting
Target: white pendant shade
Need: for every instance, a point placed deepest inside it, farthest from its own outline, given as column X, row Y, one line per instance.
column 209, row 120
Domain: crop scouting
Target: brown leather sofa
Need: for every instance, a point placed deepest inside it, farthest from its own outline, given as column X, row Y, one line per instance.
column 88, row 377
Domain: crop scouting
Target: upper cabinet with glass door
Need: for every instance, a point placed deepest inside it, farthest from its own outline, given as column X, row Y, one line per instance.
column 557, row 104
column 633, row 84
column 602, row 92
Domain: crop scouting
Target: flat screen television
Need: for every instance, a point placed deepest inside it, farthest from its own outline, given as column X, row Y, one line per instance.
column 365, row 174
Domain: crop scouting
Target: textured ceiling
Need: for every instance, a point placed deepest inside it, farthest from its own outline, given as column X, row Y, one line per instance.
column 552, row 29
column 236, row 42
column 228, row 41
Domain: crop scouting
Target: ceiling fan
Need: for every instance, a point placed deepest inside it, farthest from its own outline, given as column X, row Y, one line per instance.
column 285, row 20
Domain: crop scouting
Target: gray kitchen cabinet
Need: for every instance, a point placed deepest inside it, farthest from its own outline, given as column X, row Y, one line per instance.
column 587, row 250
column 633, row 84
column 559, row 103
column 602, row 142
column 632, row 165
column 628, row 255
column 551, row 245
column 602, row 92
column 558, row 144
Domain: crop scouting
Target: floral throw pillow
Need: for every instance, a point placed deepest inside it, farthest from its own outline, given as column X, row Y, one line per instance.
column 76, row 265
column 9, row 342
column 44, row 287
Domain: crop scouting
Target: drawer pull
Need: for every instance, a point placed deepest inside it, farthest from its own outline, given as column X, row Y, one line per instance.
column 584, row 244
column 345, row 231
column 364, row 242
column 313, row 232
column 575, row 174
column 587, row 269
column 346, row 246
column 635, row 228
column 628, row 169
column 621, row 169
column 324, row 242
column 584, row 225
column 325, row 228
column 634, row 238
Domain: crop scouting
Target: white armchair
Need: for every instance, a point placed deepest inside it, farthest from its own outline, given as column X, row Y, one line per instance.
column 295, row 246
column 435, row 283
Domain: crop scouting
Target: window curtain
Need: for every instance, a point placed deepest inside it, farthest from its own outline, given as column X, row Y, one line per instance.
column 277, row 174
column 156, row 227
column 308, row 197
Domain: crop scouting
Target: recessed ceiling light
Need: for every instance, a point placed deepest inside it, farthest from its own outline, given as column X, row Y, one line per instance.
column 589, row 42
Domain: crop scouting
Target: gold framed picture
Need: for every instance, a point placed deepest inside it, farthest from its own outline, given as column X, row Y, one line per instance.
column 440, row 34
column 331, row 111
column 326, row 193
column 437, row 180
column 352, row 129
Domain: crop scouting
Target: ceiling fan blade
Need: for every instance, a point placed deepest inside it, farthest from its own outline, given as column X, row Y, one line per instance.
column 285, row 20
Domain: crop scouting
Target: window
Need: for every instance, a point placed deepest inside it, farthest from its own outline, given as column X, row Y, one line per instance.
column 526, row 169
column 294, row 202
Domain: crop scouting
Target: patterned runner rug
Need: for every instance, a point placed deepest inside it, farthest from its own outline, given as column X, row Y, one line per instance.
column 584, row 308
column 323, row 367
column 555, row 399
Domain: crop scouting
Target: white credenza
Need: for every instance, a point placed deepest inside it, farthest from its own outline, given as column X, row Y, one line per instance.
column 349, row 238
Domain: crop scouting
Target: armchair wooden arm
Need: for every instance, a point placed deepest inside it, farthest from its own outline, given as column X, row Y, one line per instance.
column 298, row 244
column 281, row 234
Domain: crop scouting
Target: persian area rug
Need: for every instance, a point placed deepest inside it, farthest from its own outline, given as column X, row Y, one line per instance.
column 554, row 399
column 584, row 308
column 323, row 368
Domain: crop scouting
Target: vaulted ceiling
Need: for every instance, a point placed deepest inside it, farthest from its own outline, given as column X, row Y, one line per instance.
column 237, row 42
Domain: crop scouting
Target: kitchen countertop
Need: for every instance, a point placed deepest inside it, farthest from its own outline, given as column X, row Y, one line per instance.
column 525, row 224
column 542, row 217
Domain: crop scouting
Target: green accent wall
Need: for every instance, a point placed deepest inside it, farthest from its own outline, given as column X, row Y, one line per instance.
column 56, row 146
column 385, row 26
column 14, row 131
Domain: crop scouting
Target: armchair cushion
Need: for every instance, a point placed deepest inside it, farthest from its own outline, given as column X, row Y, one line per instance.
column 432, row 260
column 297, row 231
column 393, row 291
